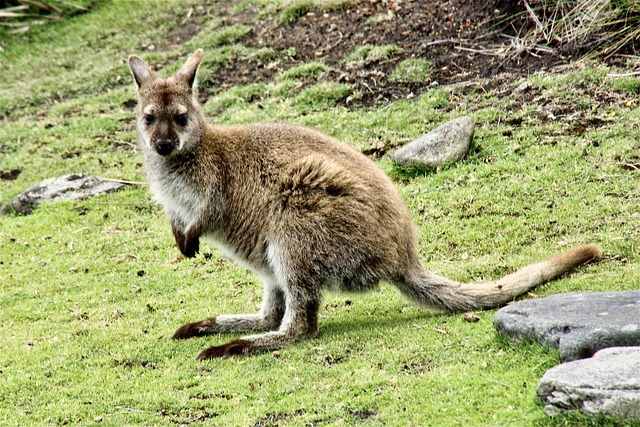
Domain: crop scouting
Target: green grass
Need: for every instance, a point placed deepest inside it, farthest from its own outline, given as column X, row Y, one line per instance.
column 220, row 37
column 371, row 53
column 310, row 70
column 412, row 70
column 323, row 95
column 90, row 291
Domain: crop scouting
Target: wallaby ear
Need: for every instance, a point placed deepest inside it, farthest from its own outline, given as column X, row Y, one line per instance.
column 140, row 70
column 189, row 69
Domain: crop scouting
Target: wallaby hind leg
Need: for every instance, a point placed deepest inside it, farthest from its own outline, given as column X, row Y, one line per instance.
column 300, row 322
column 269, row 318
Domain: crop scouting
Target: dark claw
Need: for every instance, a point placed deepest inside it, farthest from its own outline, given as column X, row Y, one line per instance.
column 191, row 246
column 233, row 348
column 189, row 243
column 178, row 235
column 190, row 330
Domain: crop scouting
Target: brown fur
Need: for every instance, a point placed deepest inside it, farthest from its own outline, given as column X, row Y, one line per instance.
column 298, row 208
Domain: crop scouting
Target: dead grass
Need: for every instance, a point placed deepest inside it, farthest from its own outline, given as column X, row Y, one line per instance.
column 606, row 26
column 22, row 15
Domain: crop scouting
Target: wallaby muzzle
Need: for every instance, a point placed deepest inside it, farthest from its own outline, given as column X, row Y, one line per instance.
column 164, row 146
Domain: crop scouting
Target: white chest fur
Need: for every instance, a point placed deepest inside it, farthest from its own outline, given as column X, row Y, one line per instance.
column 177, row 197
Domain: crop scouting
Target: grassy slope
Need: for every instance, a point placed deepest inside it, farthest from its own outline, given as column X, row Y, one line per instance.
column 90, row 291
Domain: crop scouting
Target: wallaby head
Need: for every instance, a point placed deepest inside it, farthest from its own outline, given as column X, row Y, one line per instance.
column 170, row 119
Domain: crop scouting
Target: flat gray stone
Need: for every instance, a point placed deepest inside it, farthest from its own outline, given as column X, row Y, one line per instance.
column 445, row 144
column 607, row 384
column 577, row 324
column 67, row 187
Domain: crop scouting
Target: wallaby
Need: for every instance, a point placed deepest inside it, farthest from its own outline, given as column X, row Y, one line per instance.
column 298, row 208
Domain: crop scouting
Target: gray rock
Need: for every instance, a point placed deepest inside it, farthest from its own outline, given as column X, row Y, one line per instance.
column 607, row 384
column 577, row 324
column 447, row 143
column 67, row 187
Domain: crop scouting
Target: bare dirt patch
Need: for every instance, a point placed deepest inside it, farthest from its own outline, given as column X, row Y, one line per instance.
column 10, row 175
column 463, row 40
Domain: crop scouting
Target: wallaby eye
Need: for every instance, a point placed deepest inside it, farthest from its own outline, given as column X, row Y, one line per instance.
column 149, row 119
column 181, row 119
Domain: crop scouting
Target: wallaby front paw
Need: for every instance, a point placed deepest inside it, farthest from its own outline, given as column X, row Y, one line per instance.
column 233, row 348
column 178, row 235
column 190, row 247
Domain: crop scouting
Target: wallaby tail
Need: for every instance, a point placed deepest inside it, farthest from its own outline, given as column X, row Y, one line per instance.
column 438, row 292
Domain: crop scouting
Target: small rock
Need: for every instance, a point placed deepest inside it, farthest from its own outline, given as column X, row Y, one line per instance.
column 577, row 324
column 447, row 143
column 608, row 384
column 523, row 88
column 470, row 317
column 67, row 187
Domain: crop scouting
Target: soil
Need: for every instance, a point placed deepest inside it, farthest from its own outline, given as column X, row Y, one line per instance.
column 465, row 40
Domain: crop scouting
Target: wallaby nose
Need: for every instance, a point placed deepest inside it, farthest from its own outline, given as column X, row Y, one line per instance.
column 164, row 146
